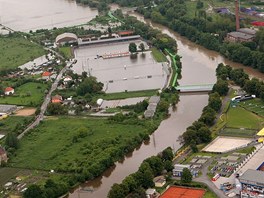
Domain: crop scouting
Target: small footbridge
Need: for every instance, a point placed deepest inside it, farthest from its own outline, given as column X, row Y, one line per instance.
column 195, row 88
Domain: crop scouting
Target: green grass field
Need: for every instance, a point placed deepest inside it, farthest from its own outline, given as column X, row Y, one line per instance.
column 238, row 117
column 66, row 52
column 256, row 106
column 13, row 122
column 236, row 132
column 51, row 145
column 29, row 94
column 17, row 51
column 158, row 56
column 129, row 94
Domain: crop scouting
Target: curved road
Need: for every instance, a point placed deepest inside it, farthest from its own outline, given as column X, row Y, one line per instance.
column 205, row 179
column 46, row 101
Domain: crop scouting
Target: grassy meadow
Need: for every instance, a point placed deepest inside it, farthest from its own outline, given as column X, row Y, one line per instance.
column 158, row 56
column 15, row 51
column 72, row 143
column 240, row 118
column 29, row 94
column 13, row 123
column 256, row 106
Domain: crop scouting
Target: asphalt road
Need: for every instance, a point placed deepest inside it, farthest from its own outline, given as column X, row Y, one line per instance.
column 46, row 101
column 205, row 180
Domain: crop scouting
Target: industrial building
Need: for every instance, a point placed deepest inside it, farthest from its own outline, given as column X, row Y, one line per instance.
column 252, row 184
column 241, row 34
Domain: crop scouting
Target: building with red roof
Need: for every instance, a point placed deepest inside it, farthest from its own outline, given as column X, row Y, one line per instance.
column 56, row 99
column 9, row 91
column 125, row 33
column 46, row 75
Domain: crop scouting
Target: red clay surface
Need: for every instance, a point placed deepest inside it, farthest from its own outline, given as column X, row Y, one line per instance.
column 181, row 192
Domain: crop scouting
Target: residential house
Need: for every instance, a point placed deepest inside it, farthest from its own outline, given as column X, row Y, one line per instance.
column 159, row 181
column 151, row 193
column 178, row 169
column 3, row 155
column 67, row 79
column 242, row 35
column 56, row 99
column 9, row 91
column 46, row 75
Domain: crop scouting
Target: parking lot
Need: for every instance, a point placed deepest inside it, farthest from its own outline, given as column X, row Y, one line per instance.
column 225, row 166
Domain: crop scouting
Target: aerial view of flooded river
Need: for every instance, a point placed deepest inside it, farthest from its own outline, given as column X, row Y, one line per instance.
column 26, row 15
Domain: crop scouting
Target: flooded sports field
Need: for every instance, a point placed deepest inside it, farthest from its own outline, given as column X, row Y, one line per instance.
column 121, row 74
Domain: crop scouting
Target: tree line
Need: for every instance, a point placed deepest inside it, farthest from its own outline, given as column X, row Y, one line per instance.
column 199, row 132
column 134, row 184
column 209, row 33
column 252, row 86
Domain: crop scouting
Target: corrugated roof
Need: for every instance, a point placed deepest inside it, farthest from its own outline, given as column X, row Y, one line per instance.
column 261, row 132
column 254, row 176
column 241, row 35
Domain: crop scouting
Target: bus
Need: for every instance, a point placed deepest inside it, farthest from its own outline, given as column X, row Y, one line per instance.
column 215, row 177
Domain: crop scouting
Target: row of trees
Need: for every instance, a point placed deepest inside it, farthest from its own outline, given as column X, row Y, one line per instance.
column 207, row 32
column 199, row 132
column 134, row 184
column 251, row 86
column 50, row 189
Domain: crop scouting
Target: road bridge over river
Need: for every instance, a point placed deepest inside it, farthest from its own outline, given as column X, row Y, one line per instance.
column 195, row 88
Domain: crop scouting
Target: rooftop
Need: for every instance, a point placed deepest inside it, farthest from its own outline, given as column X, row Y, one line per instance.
column 241, row 35
column 46, row 73
column 253, row 176
column 7, row 108
column 9, row 89
column 247, row 31
column 180, row 167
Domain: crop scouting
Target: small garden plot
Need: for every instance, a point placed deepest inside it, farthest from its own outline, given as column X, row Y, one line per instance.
column 29, row 94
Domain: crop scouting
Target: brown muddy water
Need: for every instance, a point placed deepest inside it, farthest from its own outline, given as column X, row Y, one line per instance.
column 26, row 15
column 199, row 66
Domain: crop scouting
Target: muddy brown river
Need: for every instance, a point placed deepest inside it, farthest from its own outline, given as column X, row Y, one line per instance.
column 26, row 15
column 199, row 66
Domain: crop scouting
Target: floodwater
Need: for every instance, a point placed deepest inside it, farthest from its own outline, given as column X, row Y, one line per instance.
column 26, row 15
column 166, row 135
column 198, row 67
column 121, row 73
column 122, row 102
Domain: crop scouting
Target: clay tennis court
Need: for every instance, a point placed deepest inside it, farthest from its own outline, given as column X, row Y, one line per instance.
column 181, row 192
